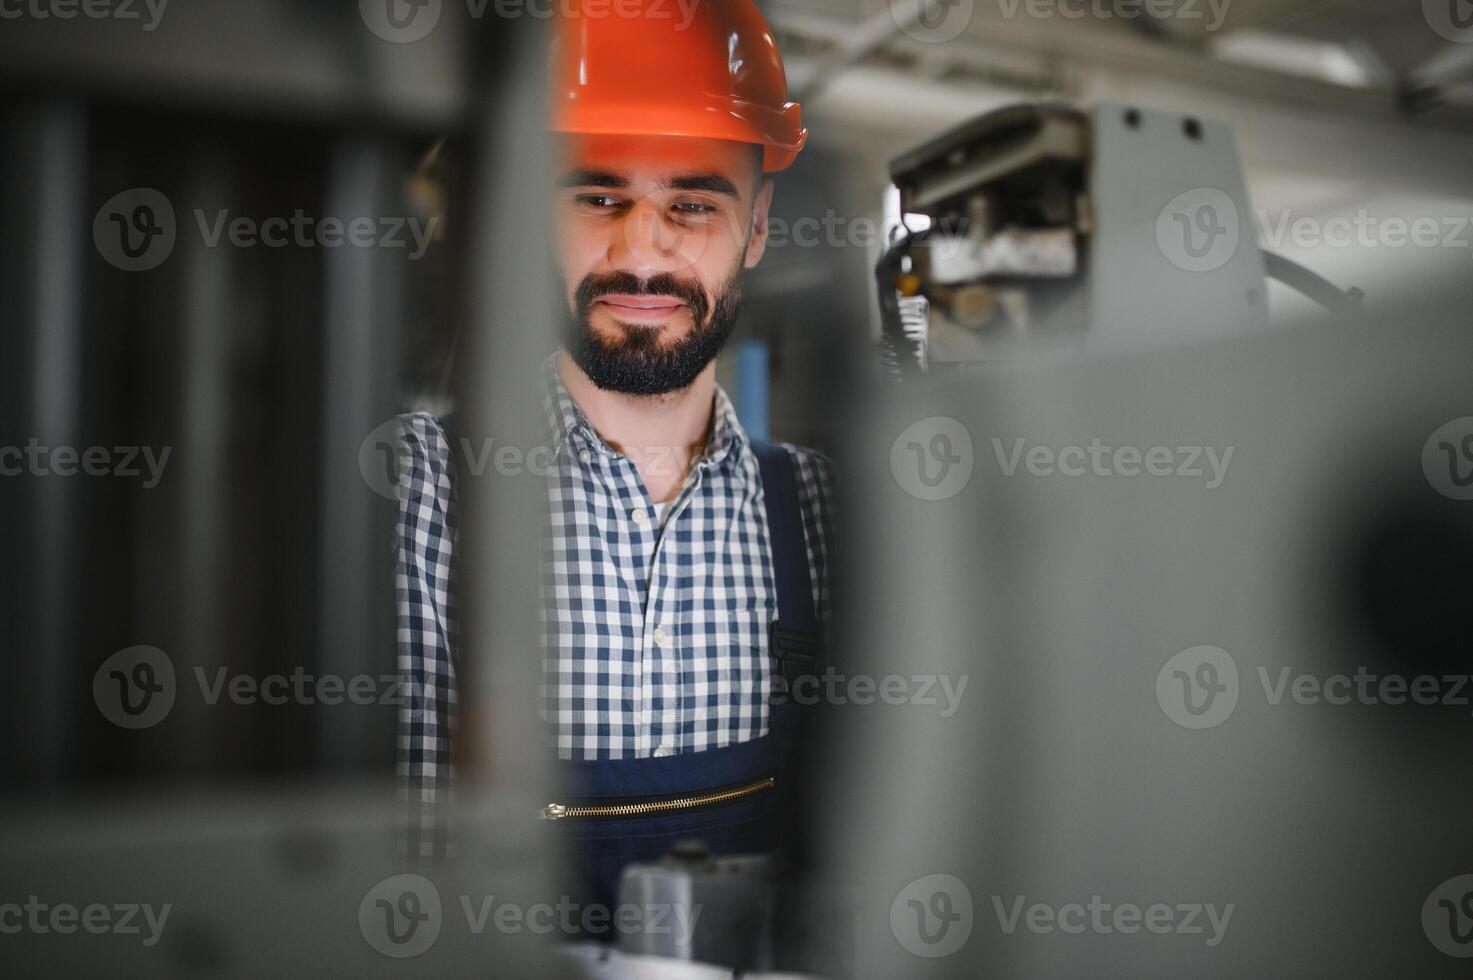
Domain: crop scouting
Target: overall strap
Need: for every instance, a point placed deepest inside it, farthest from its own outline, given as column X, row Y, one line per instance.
column 795, row 640
column 796, row 645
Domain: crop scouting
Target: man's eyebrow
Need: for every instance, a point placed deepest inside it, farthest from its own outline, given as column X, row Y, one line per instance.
column 592, row 178
column 711, row 183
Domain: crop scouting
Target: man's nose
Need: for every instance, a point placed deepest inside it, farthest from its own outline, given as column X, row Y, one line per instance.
column 646, row 243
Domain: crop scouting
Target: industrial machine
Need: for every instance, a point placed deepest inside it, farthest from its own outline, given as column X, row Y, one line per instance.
column 1047, row 226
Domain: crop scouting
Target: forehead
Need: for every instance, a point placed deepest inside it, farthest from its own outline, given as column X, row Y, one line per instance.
column 651, row 158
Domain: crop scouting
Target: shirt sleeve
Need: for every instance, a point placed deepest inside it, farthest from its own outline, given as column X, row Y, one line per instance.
column 816, row 503
column 427, row 633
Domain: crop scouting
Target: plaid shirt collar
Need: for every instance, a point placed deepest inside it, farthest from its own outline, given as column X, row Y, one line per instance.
column 726, row 445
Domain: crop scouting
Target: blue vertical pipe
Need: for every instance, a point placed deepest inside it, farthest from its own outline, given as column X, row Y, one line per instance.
column 751, row 403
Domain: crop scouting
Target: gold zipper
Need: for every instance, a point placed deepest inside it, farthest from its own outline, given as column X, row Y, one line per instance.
column 558, row 811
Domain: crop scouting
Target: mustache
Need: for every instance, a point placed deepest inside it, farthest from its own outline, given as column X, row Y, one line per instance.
column 635, row 362
column 594, row 285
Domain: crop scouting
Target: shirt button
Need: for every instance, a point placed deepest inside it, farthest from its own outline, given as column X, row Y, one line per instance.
column 663, row 752
column 583, row 455
column 639, row 515
column 658, row 635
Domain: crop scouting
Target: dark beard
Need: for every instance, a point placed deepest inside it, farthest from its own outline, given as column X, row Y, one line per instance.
column 636, row 364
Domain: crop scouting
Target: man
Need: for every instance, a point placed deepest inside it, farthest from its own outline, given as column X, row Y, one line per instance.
column 686, row 565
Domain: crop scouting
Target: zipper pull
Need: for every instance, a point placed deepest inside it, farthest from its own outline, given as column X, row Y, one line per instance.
column 554, row 811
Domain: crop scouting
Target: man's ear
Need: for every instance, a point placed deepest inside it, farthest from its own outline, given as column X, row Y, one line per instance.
column 761, row 207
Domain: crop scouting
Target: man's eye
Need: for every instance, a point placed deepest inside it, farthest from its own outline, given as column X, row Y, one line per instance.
column 693, row 208
column 601, row 202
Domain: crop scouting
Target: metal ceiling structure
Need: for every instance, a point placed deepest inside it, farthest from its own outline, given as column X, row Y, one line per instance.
column 1403, row 66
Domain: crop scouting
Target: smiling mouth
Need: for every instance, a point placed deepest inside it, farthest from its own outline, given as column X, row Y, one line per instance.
column 641, row 308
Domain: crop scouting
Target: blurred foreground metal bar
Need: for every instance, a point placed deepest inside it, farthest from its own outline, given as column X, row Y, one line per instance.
column 45, row 199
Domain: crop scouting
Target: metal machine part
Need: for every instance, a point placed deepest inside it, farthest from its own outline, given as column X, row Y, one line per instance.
column 718, row 910
column 1044, row 253
column 963, row 172
column 1046, row 226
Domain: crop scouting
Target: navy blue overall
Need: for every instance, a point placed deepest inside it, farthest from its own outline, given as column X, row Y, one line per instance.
column 756, row 823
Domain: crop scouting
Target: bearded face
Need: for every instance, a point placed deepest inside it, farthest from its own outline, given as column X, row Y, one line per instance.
column 653, row 234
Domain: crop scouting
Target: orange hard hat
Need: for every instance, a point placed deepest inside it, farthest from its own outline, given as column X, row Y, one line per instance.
column 703, row 68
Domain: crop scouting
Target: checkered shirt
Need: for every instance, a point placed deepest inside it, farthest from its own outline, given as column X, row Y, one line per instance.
column 655, row 635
